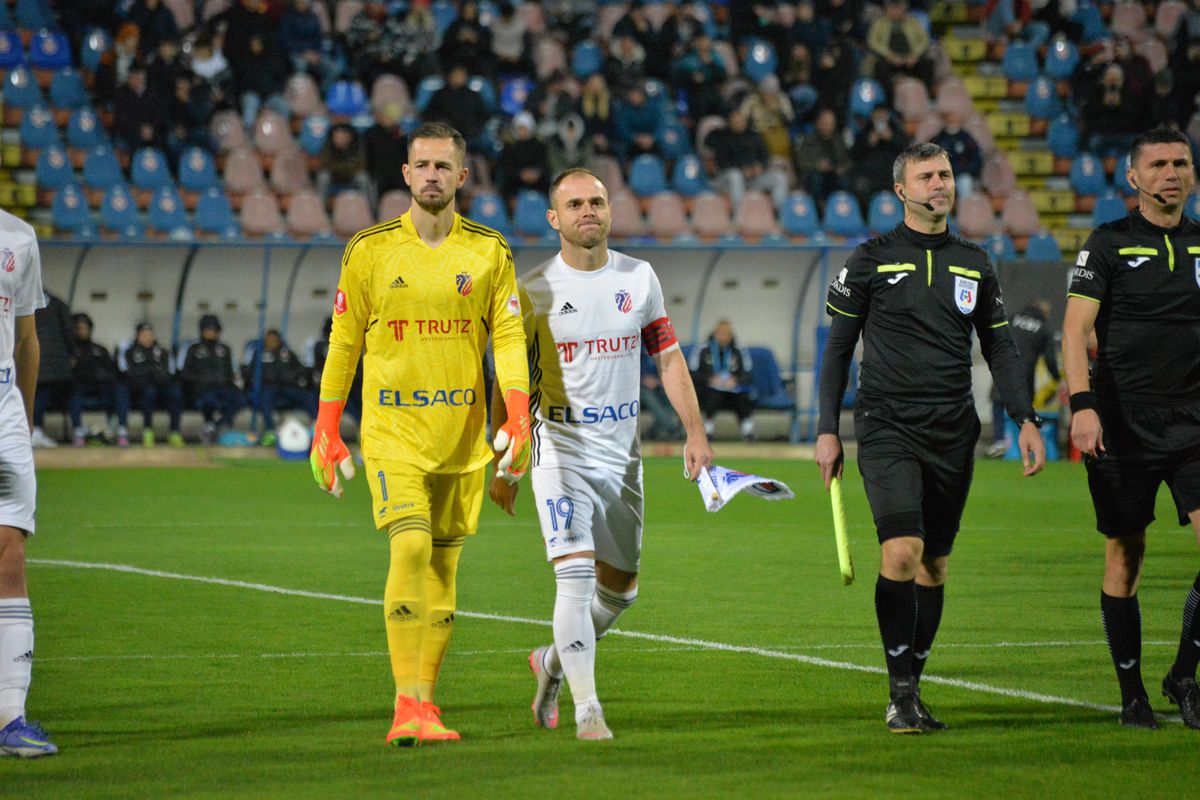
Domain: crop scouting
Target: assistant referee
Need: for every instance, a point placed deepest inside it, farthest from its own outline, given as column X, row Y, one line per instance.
column 1137, row 283
column 916, row 294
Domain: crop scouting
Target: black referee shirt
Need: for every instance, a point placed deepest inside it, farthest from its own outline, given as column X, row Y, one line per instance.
column 919, row 296
column 1147, row 282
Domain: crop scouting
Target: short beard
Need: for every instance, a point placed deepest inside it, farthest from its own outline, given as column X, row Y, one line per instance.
column 434, row 208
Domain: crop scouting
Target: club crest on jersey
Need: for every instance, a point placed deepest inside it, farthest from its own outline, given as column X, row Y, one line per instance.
column 514, row 305
column 463, row 282
column 965, row 294
column 8, row 259
column 339, row 302
column 624, row 301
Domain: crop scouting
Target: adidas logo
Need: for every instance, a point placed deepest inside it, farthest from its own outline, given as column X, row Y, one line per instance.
column 448, row 622
column 399, row 283
column 567, row 309
column 401, row 614
column 24, row 658
column 574, row 647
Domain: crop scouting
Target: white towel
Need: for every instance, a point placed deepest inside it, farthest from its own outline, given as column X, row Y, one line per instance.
column 718, row 485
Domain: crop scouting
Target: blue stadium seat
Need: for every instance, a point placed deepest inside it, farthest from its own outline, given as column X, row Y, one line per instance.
column 1061, row 59
column 1087, row 175
column 487, row 90
column 865, row 94
column 798, row 217
column 444, row 14
column 487, row 208
column 1109, row 207
column 687, row 177
column 843, row 217
column 426, row 89
column 514, row 94
column 647, row 175
column 1192, row 207
column 1000, row 247
column 54, row 169
column 1087, row 15
column 1043, row 247
column 214, row 215
column 761, row 60
column 587, row 59
column 673, row 140
column 1020, row 61
column 69, row 212
column 766, row 380
column 148, row 169
column 84, row 130
column 1120, row 181
column 11, row 51
column 101, row 170
column 1041, row 99
column 95, row 44
column 35, row 14
column 530, row 215
column 1063, row 137
column 49, row 50
column 166, row 214
column 38, row 129
column 313, row 132
column 885, row 212
column 67, row 90
column 196, row 170
column 346, row 99
column 119, row 214
column 21, row 89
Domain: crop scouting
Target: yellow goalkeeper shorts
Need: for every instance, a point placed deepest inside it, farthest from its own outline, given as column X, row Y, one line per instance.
column 451, row 501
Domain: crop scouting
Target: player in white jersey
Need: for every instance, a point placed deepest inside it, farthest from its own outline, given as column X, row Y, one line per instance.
column 20, row 295
column 588, row 312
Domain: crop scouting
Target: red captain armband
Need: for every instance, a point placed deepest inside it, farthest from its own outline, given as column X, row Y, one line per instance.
column 659, row 335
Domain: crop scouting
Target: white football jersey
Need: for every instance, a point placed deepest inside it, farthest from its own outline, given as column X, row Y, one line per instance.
column 585, row 332
column 20, row 288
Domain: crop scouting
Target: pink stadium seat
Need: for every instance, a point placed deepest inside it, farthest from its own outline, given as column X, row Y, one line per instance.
column 1154, row 51
column 977, row 126
column 608, row 169
column 303, row 96
column 534, row 17
column 607, row 17
column 756, row 215
column 1019, row 217
column 322, row 17
column 184, row 12
column 549, row 56
column 1128, row 18
column 626, row 216
column 306, row 214
column 479, row 175
column 214, row 7
column 260, row 214
column 930, row 125
column 703, row 128
column 975, row 217
column 785, row 15
column 243, row 172
column 710, row 215
column 952, row 96
column 347, row 10
column 912, row 100
column 393, row 204
column 351, row 213
column 289, row 172
column 272, row 134
column 226, row 128
column 666, row 217
column 998, row 176
column 1166, row 19
column 388, row 90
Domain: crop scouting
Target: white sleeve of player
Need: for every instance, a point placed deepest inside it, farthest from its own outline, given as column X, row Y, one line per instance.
column 30, row 296
column 656, row 306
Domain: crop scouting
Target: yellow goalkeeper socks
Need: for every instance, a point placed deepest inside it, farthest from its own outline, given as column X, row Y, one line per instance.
column 404, row 599
column 440, row 581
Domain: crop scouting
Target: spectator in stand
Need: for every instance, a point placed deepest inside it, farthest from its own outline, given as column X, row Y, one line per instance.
column 164, row 66
column 1187, row 34
column 190, row 110
column 835, row 73
column 343, row 165
column 468, row 42
column 636, row 25
column 386, row 149
column 510, row 42
column 625, row 66
column 373, row 43
column 1168, row 108
column 525, row 162
column 846, row 17
column 96, row 384
column 797, row 76
column 756, row 20
column 417, row 42
column 966, row 156
column 113, row 70
column 877, row 142
column 1111, row 116
column 900, row 45
column 284, row 382
column 459, row 106
column 1186, row 69
column 596, row 108
column 155, row 23
column 636, row 123
column 260, row 77
column 550, row 101
column 743, row 162
column 241, row 23
column 822, row 160
column 146, row 369
column 207, row 377
column 810, row 30
column 679, row 31
column 1139, row 80
column 569, row 147
column 701, row 73
column 211, row 67
column 137, row 113
column 57, row 342
column 721, row 373
column 571, row 18
column 301, row 40
column 770, row 113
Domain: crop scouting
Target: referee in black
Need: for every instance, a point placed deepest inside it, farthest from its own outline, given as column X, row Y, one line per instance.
column 1137, row 284
column 916, row 294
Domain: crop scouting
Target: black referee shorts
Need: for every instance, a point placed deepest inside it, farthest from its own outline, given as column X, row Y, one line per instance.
column 1146, row 446
column 917, row 460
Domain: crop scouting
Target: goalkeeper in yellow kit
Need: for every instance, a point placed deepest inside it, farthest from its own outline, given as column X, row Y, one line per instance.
column 422, row 293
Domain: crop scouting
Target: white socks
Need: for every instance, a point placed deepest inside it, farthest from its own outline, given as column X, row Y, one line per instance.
column 16, row 656
column 607, row 605
column 574, row 633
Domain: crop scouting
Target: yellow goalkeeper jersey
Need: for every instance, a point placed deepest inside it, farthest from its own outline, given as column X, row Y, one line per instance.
column 424, row 316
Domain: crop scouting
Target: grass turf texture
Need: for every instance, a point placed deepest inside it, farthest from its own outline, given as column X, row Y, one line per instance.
column 154, row 687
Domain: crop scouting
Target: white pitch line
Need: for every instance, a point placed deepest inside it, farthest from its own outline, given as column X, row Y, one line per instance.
column 763, row 652
column 523, row 651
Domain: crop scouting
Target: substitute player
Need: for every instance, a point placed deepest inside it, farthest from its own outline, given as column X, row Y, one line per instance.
column 422, row 293
column 916, row 294
column 20, row 295
column 1137, row 283
column 588, row 313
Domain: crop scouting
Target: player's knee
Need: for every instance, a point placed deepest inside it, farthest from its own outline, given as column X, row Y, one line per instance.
column 12, row 557
column 575, row 579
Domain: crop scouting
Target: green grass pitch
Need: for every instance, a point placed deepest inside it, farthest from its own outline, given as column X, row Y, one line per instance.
column 757, row 673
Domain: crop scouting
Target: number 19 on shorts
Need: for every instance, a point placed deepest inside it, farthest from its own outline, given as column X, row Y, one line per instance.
column 562, row 511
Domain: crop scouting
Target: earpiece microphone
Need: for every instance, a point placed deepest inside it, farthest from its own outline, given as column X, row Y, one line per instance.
column 1155, row 195
column 927, row 205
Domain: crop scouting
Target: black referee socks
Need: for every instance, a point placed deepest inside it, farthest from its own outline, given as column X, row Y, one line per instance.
column 929, row 615
column 1122, row 619
column 1189, row 641
column 896, row 610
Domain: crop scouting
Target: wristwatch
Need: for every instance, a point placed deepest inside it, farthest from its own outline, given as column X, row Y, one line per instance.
column 1030, row 416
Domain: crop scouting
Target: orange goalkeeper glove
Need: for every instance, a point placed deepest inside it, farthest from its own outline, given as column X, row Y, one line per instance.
column 329, row 451
column 513, row 438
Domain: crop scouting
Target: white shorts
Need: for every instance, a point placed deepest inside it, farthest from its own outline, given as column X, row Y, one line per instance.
column 18, row 484
column 597, row 509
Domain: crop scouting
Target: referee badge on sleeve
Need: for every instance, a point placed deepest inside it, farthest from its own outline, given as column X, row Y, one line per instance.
column 966, row 291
